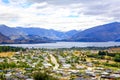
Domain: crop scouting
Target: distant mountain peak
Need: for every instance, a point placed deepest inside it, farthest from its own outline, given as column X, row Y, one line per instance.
column 115, row 22
column 3, row 25
column 3, row 38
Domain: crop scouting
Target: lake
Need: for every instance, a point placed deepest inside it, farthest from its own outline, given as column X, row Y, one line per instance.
column 65, row 44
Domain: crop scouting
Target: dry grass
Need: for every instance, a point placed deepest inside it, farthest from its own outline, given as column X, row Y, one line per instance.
column 114, row 50
column 7, row 54
column 100, row 60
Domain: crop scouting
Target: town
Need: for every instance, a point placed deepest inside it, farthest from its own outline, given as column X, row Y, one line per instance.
column 62, row 64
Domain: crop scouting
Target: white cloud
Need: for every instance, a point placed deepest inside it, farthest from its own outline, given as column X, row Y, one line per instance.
column 59, row 15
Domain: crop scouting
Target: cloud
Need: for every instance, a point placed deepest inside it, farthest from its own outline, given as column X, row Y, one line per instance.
column 6, row 16
column 59, row 14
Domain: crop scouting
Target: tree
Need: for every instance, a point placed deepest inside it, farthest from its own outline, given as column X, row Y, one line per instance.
column 117, row 58
column 102, row 53
column 2, row 76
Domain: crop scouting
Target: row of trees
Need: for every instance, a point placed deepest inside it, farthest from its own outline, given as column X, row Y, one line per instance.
column 106, row 55
column 116, row 56
column 8, row 48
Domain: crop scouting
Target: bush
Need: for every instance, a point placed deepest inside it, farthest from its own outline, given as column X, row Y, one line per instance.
column 43, row 76
column 111, row 54
column 112, row 65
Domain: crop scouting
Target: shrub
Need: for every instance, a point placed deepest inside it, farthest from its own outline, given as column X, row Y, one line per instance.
column 43, row 76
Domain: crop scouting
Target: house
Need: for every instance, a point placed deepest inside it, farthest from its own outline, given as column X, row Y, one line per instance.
column 47, row 65
column 29, row 79
column 66, row 65
column 1, row 60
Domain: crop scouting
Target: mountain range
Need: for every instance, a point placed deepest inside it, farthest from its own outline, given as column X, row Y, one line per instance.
column 34, row 35
column 102, row 33
column 49, row 33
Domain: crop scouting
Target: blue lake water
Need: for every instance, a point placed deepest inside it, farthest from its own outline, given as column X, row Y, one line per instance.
column 65, row 44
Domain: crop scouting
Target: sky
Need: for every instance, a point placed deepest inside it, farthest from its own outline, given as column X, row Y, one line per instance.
column 61, row 15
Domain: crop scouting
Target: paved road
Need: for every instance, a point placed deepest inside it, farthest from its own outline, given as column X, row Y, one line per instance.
column 54, row 61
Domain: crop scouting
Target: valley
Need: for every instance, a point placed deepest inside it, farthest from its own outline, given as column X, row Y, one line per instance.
column 63, row 64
